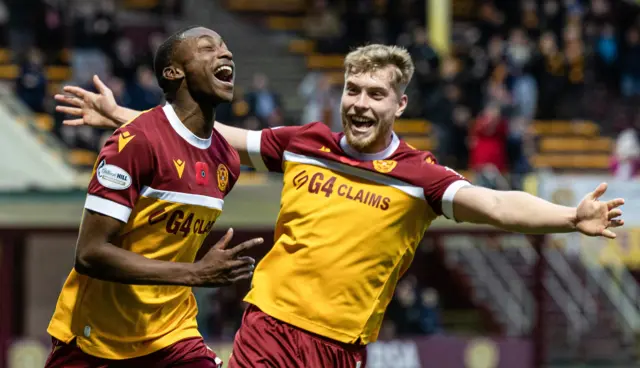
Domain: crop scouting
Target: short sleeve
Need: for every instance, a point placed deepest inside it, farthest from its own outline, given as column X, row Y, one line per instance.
column 266, row 147
column 440, row 186
column 123, row 168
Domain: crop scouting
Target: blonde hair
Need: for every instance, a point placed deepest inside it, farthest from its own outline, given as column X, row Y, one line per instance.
column 372, row 57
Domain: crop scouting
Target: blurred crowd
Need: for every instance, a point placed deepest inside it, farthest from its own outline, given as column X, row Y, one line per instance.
column 512, row 61
column 87, row 37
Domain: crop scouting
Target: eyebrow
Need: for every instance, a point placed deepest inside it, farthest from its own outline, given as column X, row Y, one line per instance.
column 216, row 40
column 369, row 88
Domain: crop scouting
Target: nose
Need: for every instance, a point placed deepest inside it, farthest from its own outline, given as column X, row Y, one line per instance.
column 362, row 102
column 226, row 54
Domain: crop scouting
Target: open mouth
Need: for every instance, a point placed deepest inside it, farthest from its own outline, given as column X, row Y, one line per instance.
column 224, row 73
column 361, row 123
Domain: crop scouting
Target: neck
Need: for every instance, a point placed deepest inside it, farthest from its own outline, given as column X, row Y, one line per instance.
column 198, row 117
column 379, row 145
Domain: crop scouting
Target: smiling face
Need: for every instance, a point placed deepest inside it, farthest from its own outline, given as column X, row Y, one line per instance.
column 370, row 105
column 373, row 97
column 207, row 63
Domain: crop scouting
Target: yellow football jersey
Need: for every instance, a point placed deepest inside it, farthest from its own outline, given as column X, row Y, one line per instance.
column 167, row 185
column 348, row 227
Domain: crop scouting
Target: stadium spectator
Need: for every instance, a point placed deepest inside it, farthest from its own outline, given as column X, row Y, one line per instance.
column 488, row 140
column 144, row 91
column 430, row 321
column 125, row 61
column 323, row 25
column 322, row 103
column 606, row 57
column 519, row 56
column 31, row 85
column 625, row 164
column 551, row 74
column 264, row 104
column 631, row 65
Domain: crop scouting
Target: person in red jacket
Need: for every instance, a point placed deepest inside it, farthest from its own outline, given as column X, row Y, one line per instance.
column 488, row 138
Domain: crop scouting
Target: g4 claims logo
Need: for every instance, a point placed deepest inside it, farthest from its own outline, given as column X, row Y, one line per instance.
column 181, row 222
column 329, row 186
column 300, row 179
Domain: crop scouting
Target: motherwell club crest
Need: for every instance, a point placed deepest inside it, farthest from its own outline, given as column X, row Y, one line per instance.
column 384, row 166
column 223, row 177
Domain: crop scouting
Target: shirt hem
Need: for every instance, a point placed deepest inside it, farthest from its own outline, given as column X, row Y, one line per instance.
column 99, row 352
column 310, row 326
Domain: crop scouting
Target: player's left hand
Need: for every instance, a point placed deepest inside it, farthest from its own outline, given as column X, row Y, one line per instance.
column 92, row 109
column 596, row 218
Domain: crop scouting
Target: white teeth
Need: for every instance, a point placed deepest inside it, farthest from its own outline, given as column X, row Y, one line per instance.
column 360, row 119
column 223, row 68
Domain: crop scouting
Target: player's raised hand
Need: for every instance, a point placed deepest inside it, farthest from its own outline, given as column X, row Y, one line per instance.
column 93, row 109
column 595, row 218
column 222, row 265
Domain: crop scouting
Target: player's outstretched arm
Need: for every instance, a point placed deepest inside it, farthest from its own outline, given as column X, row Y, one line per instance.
column 101, row 110
column 524, row 213
column 97, row 257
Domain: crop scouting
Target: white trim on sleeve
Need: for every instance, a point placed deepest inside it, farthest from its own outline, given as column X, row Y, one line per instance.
column 108, row 207
column 254, row 139
column 449, row 194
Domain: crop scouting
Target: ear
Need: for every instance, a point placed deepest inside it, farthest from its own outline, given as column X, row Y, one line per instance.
column 172, row 73
column 402, row 105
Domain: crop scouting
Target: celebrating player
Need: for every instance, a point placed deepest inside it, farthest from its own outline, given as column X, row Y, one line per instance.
column 156, row 191
column 354, row 207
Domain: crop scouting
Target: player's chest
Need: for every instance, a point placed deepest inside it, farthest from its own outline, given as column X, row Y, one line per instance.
column 312, row 188
column 193, row 171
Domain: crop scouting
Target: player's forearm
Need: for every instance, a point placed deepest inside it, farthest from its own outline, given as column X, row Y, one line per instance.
column 237, row 138
column 111, row 263
column 524, row 213
column 122, row 115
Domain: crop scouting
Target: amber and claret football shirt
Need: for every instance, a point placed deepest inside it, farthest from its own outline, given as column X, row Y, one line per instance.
column 167, row 185
column 348, row 227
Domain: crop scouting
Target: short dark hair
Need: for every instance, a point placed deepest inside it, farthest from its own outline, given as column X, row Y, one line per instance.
column 164, row 56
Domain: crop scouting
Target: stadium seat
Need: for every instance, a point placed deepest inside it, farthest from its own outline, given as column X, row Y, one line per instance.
column 300, row 46
column 584, row 128
column 44, row 122
column 412, row 126
column 82, row 157
column 141, row 4
column 5, row 56
column 318, row 61
column 267, row 6
column 59, row 73
column 283, row 23
column 421, row 143
column 572, row 161
column 9, row 71
column 53, row 88
column 252, row 178
column 600, row 144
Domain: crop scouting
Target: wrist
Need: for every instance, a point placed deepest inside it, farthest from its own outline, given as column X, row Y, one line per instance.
column 119, row 115
column 572, row 218
column 192, row 274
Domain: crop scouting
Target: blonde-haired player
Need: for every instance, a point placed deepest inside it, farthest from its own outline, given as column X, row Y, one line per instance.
column 355, row 206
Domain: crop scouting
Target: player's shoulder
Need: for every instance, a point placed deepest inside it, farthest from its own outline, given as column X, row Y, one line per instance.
column 146, row 117
column 421, row 167
column 311, row 128
column 134, row 137
column 411, row 156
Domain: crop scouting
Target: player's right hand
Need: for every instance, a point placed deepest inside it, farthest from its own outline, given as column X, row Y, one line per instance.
column 90, row 108
column 223, row 266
